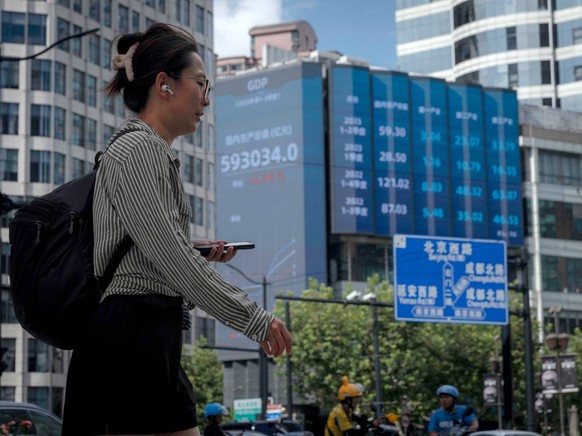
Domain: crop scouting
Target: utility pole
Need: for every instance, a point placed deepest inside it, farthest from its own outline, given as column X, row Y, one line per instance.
column 263, row 358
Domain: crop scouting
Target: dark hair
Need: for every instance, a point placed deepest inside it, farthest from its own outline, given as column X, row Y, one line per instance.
column 162, row 47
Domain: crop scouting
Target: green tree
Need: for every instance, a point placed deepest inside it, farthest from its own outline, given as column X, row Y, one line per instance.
column 205, row 372
column 331, row 340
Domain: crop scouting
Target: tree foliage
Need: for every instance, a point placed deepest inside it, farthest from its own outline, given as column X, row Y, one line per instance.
column 331, row 340
column 205, row 372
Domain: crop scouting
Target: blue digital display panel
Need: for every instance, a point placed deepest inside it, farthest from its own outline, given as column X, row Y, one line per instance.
column 351, row 151
column 467, row 147
column 392, row 157
column 503, row 166
column 270, row 165
column 430, row 153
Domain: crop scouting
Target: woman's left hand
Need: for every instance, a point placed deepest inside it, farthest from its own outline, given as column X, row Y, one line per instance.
column 218, row 254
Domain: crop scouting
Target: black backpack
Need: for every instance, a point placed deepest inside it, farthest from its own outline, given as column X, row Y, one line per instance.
column 54, row 291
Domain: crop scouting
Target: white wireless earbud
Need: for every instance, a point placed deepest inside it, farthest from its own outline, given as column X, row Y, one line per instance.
column 167, row 89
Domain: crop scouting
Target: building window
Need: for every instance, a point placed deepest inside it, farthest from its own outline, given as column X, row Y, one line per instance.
column 77, row 43
column 186, row 14
column 91, row 134
column 10, row 158
column 162, row 6
column 542, row 4
column 65, row 3
column 39, row 396
column 91, row 90
column 9, row 72
column 7, row 308
column 95, row 10
column 78, row 136
column 135, row 21
column 107, row 103
column 79, row 85
column 546, row 72
column 150, row 3
column 148, row 22
column 107, row 13
column 38, row 358
column 94, row 46
column 40, row 75
column 60, row 78
column 544, row 35
column 210, row 176
column 512, row 75
column 561, row 274
column 8, row 353
column 78, row 6
column 178, row 9
column 36, row 29
column 577, row 35
column 200, row 19
column 560, row 168
column 9, row 113
column 63, row 32
column 123, row 19
column 198, row 211
column 5, row 267
column 60, row 122
column 78, row 168
column 13, row 24
column 189, row 169
column 511, row 38
column 105, row 53
column 108, row 132
column 205, row 327
column 7, row 393
column 40, row 120
column 199, row 172
column 547, row 102
column 578, row 72
column 209, row 24
column 210, row 218
column 40, row 166
column 59, row 168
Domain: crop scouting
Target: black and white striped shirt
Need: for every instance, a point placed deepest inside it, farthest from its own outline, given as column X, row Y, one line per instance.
column 139, row 193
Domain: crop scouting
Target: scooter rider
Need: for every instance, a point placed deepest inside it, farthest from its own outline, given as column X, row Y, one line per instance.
column 341, row 420
column 450, row 414
column 214, row 412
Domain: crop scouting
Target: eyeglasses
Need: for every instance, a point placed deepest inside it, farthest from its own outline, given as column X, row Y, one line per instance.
column 204, row 85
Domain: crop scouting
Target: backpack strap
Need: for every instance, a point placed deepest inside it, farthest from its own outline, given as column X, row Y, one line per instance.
column 114, row 138
column 126, row 243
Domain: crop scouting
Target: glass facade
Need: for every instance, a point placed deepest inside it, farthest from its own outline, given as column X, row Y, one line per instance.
column 486, row 32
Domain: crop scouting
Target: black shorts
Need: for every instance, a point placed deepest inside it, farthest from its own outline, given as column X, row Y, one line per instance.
column 126, row 377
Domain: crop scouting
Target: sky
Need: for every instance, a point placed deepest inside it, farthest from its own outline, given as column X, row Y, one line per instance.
column 362, row 29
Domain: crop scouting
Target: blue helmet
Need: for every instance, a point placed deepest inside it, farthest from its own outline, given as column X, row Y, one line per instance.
column 215, row 409
column 449, row 390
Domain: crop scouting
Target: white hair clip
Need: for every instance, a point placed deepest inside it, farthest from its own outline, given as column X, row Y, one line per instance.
column 125, row 61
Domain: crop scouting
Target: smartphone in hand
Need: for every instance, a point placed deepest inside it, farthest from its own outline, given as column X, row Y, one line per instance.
column 205, row 249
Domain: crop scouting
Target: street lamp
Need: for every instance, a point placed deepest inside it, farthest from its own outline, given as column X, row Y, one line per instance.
column 558, row 342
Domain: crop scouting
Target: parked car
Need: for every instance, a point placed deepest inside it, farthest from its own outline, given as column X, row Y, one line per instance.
column 504, row 433
column 271, row 428
column 42, row 421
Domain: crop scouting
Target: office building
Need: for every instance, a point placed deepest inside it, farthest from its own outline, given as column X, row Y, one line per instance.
column 534, row 46
column 53, row 122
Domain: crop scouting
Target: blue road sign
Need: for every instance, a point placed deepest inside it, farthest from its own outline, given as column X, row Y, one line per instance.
column 450, row 280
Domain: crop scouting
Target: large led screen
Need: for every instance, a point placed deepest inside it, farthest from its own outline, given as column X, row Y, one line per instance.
column 503, row 166
column 468, row 169
column 391, row 157
column 270, row 165
column 351, row 151
column 430, row 157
